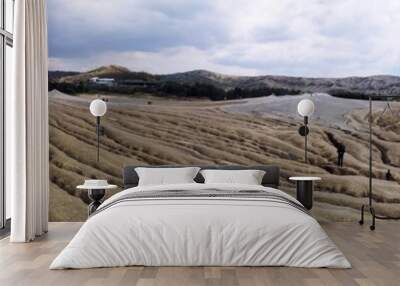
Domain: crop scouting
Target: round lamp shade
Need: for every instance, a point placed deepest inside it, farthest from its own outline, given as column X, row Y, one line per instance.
column 98, row 107
column 305, row 107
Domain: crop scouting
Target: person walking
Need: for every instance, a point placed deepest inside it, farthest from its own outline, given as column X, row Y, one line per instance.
column 341, row 149
column 389, row 176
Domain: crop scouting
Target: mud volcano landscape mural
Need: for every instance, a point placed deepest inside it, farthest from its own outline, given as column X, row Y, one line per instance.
column 202, row 117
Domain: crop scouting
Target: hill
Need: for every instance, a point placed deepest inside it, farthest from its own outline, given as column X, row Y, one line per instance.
column 355, row 87
column 57, row 75
column 176, row 132
column 204, row 77
column 112, row 71
column 380, row 85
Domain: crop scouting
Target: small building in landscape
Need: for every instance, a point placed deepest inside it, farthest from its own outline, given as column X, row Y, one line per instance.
column 103, row 81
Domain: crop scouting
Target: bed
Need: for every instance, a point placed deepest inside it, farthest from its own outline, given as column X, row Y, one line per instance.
column 197, row 224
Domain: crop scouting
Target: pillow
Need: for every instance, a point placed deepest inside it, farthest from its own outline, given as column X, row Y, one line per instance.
column 244, row 177
column 165, row 176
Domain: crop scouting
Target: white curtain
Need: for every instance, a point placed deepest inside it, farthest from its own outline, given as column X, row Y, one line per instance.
column 27, row 122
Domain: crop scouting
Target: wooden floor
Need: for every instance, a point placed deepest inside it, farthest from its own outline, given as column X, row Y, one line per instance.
column 375, row 257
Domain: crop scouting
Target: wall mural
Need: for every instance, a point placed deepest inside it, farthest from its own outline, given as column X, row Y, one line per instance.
column 213, row 116
column 175, row 119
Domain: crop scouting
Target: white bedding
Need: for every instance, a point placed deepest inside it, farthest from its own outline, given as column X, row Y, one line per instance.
column 200, row 231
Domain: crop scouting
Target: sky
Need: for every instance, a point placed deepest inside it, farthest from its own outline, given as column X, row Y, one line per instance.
column 312, row 38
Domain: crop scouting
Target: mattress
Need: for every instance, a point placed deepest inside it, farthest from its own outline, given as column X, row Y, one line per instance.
column 201, row 225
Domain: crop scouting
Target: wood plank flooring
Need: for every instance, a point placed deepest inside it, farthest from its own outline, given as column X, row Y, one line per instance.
column 375, row 257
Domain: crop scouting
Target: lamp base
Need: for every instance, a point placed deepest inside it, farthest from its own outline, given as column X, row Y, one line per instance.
column 95, row 195
column 372, row 211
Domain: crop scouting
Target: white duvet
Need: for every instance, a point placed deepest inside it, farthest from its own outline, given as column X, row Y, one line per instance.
column 200, row 231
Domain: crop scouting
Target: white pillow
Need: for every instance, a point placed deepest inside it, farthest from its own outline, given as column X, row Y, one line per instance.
column 244, row 177
column 165, row 176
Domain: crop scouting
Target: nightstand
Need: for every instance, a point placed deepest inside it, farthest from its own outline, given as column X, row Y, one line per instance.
column 304, row 190
column 96, row 192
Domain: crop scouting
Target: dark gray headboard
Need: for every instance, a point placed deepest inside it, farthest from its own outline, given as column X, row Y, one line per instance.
column 271, row 178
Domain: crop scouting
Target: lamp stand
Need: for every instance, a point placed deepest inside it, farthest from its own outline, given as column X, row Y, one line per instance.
column 98, row 137
column 369, row 207
column 305, row 138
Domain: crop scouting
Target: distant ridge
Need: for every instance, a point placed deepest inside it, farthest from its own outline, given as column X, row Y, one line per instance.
column 358, row 86
column 112, row 71
column 56, row 75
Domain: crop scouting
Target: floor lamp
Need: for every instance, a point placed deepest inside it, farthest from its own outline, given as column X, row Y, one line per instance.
column 369, row 206
column 98, row 108
column 305, row 108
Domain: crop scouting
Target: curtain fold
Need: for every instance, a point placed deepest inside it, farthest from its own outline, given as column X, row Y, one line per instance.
column 28, row 145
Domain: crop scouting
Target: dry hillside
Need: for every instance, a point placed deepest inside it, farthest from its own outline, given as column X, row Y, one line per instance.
column 200, row 132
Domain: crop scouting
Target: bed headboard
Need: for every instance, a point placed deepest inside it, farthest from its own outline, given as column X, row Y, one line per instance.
column 271, row 178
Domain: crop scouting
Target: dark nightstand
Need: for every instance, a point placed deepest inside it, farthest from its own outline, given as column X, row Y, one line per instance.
column 304, row 190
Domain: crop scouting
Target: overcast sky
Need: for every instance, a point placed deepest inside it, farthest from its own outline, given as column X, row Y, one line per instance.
column 320, row 38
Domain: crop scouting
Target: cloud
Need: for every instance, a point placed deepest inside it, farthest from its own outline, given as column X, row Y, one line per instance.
column 87, row 27
column 290, row 37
